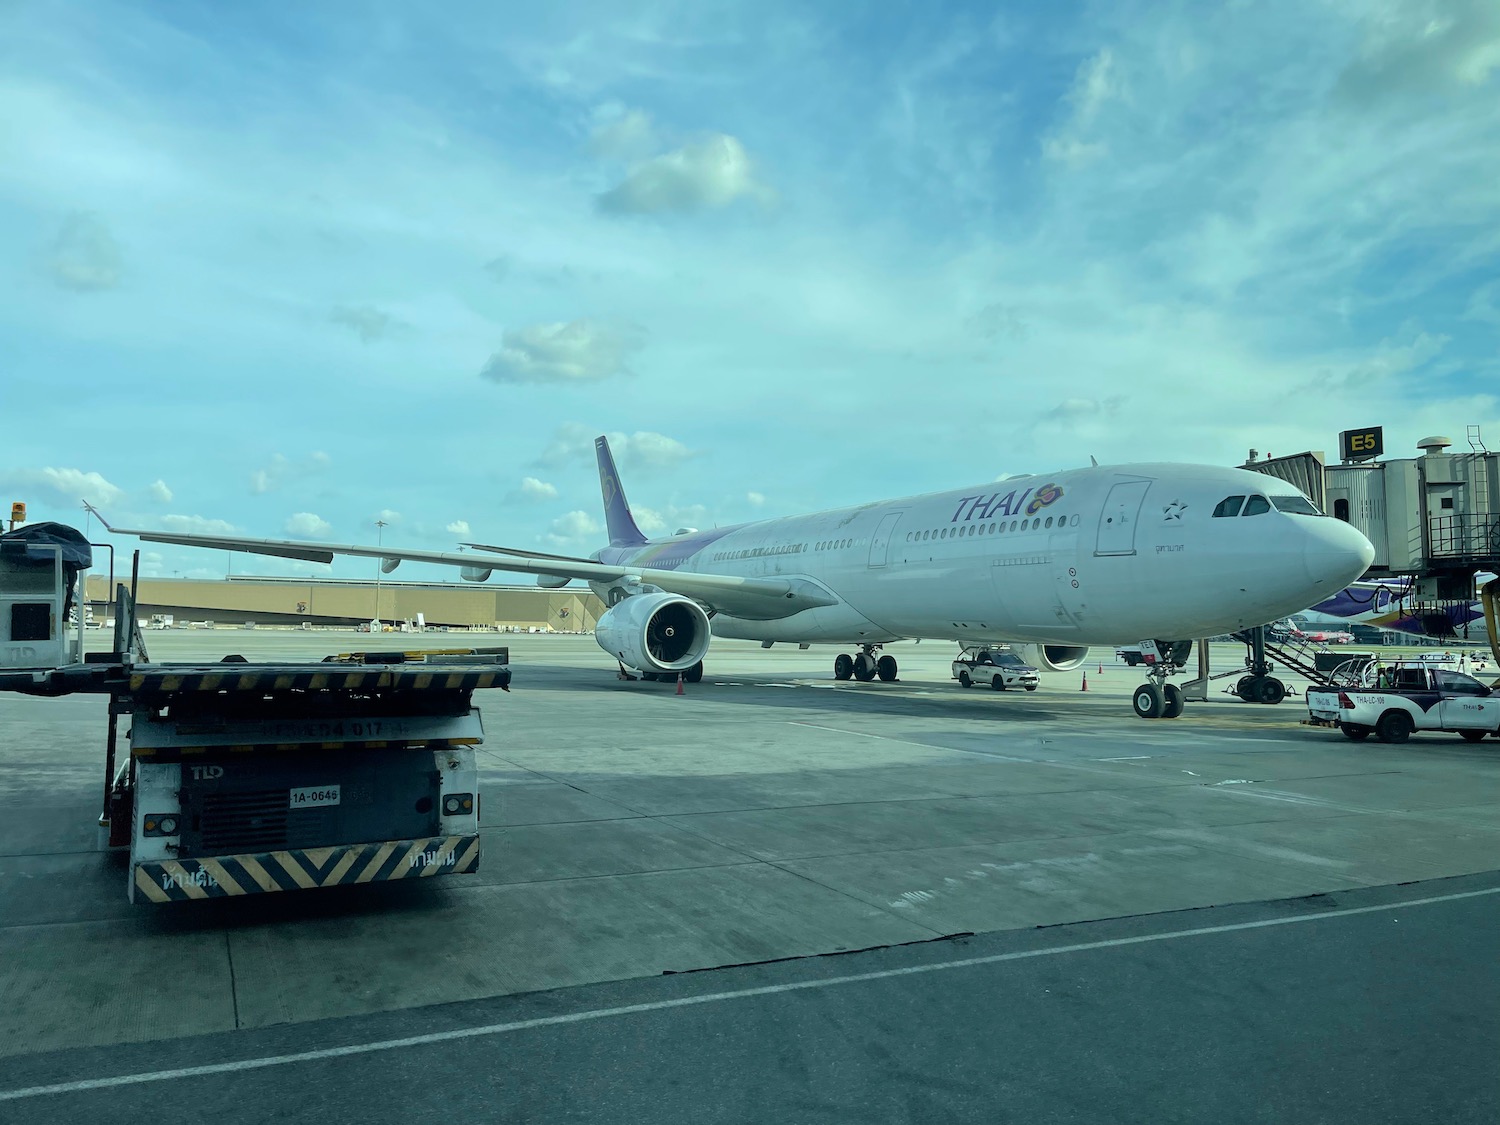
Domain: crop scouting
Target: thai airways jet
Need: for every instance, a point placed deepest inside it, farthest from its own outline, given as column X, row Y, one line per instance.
column 1060, row 562
column 1391, row 604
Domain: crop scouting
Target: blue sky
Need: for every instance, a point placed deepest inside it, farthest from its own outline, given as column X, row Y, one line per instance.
column 286, row 271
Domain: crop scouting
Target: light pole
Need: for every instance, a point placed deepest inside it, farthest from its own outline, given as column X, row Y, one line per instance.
column 380, row 526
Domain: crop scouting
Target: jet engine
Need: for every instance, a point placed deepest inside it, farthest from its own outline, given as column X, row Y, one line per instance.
column 1054, row 658
column 655, row 632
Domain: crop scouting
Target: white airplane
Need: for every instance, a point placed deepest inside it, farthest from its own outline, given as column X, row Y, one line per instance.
column 1059, row 562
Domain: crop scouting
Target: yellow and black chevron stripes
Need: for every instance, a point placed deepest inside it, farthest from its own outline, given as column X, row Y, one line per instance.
column 305, row 869
column 157, row 681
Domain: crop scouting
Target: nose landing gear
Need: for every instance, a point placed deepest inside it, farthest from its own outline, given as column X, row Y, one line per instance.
column 1157, row 699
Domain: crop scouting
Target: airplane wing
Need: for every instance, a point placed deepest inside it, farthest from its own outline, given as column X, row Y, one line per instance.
column 757, row 599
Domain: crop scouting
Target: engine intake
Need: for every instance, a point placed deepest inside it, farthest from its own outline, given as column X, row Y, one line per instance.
column 1055, row 658
column 655, row 632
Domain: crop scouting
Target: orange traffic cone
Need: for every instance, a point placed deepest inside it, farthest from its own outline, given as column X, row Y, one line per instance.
column 679, row 683
column 1085, row 686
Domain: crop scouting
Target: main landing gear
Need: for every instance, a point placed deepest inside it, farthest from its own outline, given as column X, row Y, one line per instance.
column 864, row 666
column 1157, row 699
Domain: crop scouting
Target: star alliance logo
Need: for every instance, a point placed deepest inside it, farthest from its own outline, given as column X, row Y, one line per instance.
column 1174, row 510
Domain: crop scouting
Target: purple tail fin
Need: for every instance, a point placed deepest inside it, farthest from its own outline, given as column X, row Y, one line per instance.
column 617, row 517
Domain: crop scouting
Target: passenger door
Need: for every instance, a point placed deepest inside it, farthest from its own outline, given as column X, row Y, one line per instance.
column 880, row 544
column 1118, row 519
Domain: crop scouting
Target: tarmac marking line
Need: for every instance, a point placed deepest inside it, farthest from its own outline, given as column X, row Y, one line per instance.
column 706, row 998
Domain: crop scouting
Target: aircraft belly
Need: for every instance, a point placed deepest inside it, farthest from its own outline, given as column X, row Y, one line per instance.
column 825, row 623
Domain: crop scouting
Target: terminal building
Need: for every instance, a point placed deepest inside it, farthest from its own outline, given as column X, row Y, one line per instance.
column 248, row 600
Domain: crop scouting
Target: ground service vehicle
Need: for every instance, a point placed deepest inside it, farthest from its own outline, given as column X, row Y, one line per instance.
column 1407, row 698
column 242, row 778
column 995, row 666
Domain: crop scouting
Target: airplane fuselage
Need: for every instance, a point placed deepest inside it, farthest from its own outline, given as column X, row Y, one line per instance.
column 1088, row 556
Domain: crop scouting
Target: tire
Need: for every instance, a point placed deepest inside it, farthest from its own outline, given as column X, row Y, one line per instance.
column 885, row 668
column 1173, row 702
column 694, row 674
column 963, row 678
column 998, row 682
column 1148, row 701
column 1270, row 691
column 1354, row 732
column 1245, row 688
column 1031, row 687
column 843, row 666
column 1473, row 735
column 864, row 668
column 1394, row 727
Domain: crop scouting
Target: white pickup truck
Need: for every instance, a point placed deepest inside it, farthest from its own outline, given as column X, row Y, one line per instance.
column 981, row 664
column 1408, row 698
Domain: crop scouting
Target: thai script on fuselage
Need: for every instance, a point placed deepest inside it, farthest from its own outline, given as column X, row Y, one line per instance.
column 762, row 552
column 1010, row 504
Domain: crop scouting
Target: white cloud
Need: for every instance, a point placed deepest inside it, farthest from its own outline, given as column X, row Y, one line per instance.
column 197, row 525
column 573, row 527
column 365, row 320
column 669, row 519
column 458, row 527
column 643, row 449
column 755, row 499
column 1422, row 48
column 160, row 492
column 704, row 174
column 386, row 515
column 622, row 134
column 532, row 489
column 579, row 351
column 62, row 485
column 282, row 471
column 84, row 255
column 306, row 525
column 1096, row 84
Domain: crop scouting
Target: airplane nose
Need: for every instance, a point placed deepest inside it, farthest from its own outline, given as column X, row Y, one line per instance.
column 1335, row 554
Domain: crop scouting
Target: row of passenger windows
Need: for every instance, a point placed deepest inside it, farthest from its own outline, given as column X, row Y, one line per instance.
column 996, row 528
column 1259, row 505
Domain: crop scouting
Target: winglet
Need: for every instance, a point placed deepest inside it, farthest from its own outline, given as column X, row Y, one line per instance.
column 617, row 518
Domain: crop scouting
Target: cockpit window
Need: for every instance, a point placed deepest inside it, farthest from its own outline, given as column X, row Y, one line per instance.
column 1297, row 505
column 1256, row 505
column 1229, row 506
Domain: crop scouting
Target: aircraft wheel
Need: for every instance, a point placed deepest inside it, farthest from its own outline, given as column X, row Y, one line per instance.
column 843, row 666
column 1270, row 690
column 1395, row 727
column 1245, row 689
column 1173, row 701
column 963, row 678
column 1148, row 701
column 1473, row 735
column 1355, row 732
column 694, row 674
column 998, row 682
column 885, row 668
column 864, row 667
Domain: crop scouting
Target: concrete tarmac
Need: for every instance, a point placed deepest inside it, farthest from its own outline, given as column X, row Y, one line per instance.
column 769, row 812
column 1366, row 1006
